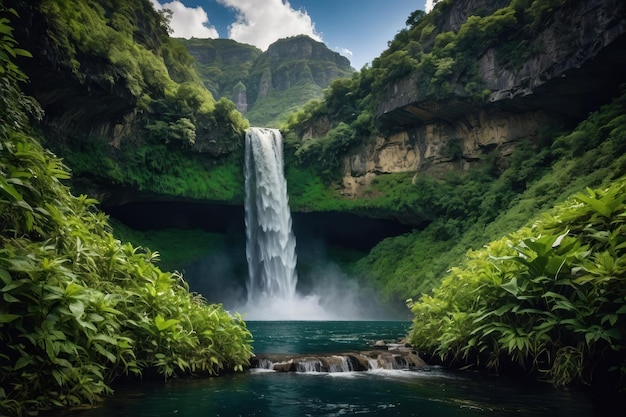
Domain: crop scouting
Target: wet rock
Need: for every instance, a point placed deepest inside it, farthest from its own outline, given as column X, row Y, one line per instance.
column 400, row 358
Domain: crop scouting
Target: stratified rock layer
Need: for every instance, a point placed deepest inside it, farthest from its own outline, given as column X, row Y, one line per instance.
column 580, row 66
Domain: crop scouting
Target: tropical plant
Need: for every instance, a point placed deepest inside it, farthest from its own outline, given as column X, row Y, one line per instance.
column 80, row 308
column 549, row 298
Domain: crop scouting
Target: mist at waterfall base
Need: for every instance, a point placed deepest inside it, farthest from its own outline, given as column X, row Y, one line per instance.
column 271, row 247
column 323, row 291
column 326, row 293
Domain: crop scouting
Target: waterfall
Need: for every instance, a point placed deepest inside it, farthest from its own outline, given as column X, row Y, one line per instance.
column 270, row 243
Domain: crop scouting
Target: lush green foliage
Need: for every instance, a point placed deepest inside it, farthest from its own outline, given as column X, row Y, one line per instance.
column 117, row 44
column 273, row 109
column 550, row 297
column 79, row 308
column 445, row 62
column 442, row 63
column 14, row 106
column 463, row 211
column 342, row 109
column 160, row 169
column 109, row 30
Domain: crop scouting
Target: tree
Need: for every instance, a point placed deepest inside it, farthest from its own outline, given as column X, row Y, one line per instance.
column 414, row 18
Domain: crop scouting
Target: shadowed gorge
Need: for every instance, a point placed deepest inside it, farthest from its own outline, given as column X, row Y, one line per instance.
column 334, row 228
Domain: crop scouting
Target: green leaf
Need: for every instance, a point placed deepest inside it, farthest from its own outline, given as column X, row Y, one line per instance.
column 504, row 309
column 511, row 286
column 611, row 318
column 10, row 299
column 104, row 352
column 5, row 276
column 22, row 362
column 8, row 318
column 10, row 191
column 105, row 338
column 597, row 205
column 163, row 324
column 77, row 308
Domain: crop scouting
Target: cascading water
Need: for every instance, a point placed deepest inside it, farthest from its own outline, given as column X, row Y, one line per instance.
column 270, row 243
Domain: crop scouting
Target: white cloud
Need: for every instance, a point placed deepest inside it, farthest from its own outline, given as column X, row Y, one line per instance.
column 188, row 22
column 344, row 51
column 262, row 22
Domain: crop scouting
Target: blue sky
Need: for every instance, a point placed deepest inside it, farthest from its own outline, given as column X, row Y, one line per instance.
column 357, row 29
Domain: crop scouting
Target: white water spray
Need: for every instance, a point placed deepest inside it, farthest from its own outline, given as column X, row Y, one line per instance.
column 271, row 248
column 270, row 243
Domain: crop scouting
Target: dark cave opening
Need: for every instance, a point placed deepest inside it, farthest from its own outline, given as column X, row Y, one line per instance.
column 345, row 230
column 220, row 276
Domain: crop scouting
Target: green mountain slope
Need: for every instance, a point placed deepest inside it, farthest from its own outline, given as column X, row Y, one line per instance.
column 222, row 64
column 267, row 86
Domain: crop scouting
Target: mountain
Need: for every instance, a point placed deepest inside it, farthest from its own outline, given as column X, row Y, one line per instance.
column 267, row 86
column 223, row 65
column 446, row 130
column 477, row 117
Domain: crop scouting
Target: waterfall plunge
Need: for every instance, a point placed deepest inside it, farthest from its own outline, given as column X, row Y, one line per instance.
column 270, row 243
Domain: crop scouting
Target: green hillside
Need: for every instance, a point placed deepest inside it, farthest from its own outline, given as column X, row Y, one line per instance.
column 267, row 86
column 222, row 63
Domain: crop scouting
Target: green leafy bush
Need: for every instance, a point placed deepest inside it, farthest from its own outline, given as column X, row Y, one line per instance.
column 549, row 297
column 80, row 308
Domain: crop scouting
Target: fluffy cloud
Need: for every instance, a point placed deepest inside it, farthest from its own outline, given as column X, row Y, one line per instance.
column 188, row 22
column 344, row 51
column 262, row 22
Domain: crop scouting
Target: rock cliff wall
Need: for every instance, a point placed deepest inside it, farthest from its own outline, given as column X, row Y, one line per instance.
column 246, row 75
column 580, row 66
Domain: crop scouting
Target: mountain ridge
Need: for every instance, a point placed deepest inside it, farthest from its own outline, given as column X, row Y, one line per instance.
column 267, row 85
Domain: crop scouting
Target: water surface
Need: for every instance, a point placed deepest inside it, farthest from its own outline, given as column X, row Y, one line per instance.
column 430, row 392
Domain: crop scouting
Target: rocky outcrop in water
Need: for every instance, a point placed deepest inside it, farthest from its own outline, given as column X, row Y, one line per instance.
column 382, row 355
column 340, row 362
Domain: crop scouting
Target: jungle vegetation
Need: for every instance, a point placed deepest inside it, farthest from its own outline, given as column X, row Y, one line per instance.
column 124, row 48
column 545, row 295
column 80, row 308
column 548, row 297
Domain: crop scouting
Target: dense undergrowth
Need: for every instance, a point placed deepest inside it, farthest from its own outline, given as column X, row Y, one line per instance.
column 156, row 168
column 549, row 298
column 467, row 212
column 80, row 308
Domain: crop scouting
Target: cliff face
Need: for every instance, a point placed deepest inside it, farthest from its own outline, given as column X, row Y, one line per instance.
column 223, row 65
column 581, row 63
column 90, row 103
column 266, row 86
